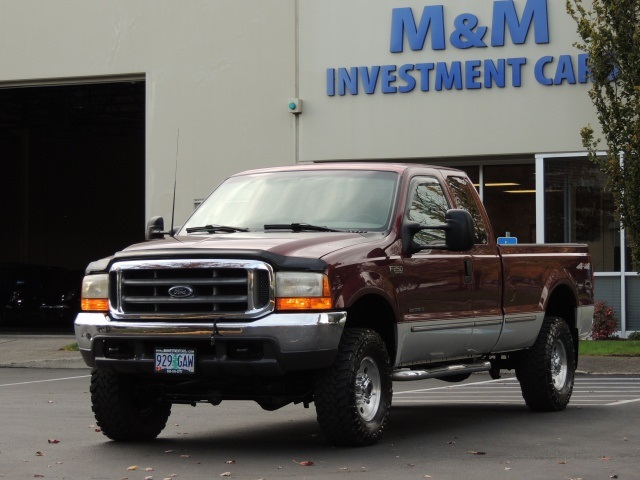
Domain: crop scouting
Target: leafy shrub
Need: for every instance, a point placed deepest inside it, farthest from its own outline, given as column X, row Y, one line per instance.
column 634, row 336
column 604, row 322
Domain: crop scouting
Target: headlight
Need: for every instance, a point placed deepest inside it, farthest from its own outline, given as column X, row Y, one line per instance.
column 95, row 293
column 302, row 291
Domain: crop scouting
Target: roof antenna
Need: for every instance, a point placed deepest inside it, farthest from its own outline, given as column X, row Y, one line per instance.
column 175, row 182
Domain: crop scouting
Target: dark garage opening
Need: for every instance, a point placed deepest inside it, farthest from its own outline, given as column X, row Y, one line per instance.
column 72, row 188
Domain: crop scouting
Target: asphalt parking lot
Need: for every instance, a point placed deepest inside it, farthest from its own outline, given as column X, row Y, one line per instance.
column 479, row 429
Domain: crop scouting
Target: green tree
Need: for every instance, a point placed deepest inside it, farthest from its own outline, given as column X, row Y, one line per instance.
column 610, row 34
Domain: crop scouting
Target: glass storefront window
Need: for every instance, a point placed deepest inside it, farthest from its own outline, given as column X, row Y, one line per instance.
column 578, row 209
column 510, row 200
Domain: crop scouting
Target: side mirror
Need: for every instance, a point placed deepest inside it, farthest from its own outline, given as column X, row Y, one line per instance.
column 155, row 228
column 459, row 235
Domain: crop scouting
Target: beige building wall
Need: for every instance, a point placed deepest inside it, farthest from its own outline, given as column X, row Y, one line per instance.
column 483, row 121
column 221, row 73
column 218, row 71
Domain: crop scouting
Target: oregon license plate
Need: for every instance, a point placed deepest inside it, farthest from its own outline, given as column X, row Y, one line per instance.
column 175, row 360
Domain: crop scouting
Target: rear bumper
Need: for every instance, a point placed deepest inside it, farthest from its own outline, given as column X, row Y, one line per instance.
column 272, row 345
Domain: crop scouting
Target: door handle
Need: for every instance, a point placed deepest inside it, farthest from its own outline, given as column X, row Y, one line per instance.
column 468, row 270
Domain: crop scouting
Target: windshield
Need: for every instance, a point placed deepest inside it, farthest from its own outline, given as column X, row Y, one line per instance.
column 336, row 199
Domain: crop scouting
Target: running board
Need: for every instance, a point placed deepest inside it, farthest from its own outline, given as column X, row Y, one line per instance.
column 438, row 372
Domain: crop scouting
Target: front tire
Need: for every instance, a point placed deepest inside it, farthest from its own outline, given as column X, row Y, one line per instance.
column 353, row 397
column 547, row 370
column 124, row 411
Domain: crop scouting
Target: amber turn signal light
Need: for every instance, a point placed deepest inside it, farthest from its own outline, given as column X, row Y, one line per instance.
column 95, row 304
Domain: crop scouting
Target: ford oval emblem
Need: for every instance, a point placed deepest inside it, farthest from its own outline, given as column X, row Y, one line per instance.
column 181, row 291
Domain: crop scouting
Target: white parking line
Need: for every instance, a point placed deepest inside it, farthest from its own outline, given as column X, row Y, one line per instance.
column 621, row 402
column 587, row 392
column 43, row 381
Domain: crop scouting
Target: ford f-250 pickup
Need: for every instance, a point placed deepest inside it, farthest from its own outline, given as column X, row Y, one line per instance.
column 326, row 283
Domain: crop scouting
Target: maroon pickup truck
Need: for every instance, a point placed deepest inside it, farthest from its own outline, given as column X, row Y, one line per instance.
column 326, row 283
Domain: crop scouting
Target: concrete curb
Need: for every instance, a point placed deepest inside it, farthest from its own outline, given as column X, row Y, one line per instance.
column 38, row 351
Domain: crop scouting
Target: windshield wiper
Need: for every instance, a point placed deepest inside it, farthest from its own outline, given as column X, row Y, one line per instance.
column 299, row 227
column 216, row 228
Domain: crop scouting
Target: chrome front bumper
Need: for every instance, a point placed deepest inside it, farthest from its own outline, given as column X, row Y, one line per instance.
column 295, row 337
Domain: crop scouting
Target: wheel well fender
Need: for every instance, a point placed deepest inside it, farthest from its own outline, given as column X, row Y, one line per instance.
column 376, row 313
column 562, row 303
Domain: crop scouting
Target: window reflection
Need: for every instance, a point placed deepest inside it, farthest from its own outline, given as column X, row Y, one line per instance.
column 464, row 198
column 428, row 206
column 510, row 200
column 578, row 209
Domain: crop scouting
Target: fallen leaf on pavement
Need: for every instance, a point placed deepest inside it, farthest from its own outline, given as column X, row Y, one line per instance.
column 225, row 474
column 473, row 452
column 305, row 463
column 53, row 440
column 133, row 467
column 39, row 454
column 230, row 462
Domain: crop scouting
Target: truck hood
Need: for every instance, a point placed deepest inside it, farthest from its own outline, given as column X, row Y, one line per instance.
column 289, row 244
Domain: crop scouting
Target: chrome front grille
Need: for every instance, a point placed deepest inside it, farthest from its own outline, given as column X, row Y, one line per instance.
column 191, row 289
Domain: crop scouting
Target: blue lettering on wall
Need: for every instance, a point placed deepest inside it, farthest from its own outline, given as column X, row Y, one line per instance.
column 388, row 78
column 405, row 75
column 506, row 18
column 369, row 80
column 403, row 23
column 584, row 75
column 471, row 73
column 466, row 35
column 348, row 81
column 539, row 70
column 519, row 21
column 494, row 74
column 516, row 70
column 449, row 77
column 331, row 82
column 424, row 69
column 564, row 70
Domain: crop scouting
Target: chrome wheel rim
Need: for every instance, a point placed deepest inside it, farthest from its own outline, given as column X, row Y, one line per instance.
column 368, row 387
column 559, row 367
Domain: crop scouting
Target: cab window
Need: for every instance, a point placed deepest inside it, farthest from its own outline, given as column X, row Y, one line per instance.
column 461, row 189
column 427, row 205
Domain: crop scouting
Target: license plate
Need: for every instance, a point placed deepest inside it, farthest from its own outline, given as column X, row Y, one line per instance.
column 175, row 360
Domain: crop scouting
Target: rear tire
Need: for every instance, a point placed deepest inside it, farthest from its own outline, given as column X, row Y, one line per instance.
column 547, row 370
column 124, row 411
column 353, row 397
